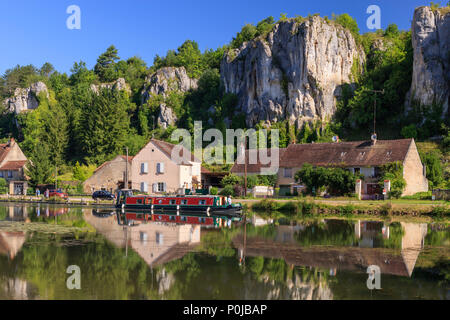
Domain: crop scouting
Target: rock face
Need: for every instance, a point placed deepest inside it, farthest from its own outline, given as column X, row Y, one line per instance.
column 166, row 116
column 166, row 80
column 25, row 98
column 118, row 85
column 295, row 74
column 431, row 70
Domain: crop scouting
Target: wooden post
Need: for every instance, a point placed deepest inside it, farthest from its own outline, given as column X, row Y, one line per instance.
column 245, row 166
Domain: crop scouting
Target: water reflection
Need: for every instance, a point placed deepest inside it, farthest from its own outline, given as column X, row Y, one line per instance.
column 140, row 256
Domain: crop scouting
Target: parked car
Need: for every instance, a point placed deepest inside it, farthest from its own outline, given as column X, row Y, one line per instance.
column 57, row 193
column 103, row 195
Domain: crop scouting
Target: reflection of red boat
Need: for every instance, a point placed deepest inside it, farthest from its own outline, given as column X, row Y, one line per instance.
column 168, row 218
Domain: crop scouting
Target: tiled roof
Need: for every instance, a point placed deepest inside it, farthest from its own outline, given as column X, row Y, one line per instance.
column 108, row 162
column 167, row 148
column 4, row 150
column 13, row 165
column 255, row 168
column 349, row 154
column 357, row 153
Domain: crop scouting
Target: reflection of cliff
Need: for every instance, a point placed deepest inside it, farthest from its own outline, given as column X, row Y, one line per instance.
column 11, row 243
column 156, row 243
column 350, row 258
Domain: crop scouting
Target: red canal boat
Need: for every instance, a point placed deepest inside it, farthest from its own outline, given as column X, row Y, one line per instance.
column 179, row 205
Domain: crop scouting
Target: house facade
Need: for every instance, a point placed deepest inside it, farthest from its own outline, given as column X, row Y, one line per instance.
column 110, row 176
column 364, row 157
column 12, row 167
column 155, row 171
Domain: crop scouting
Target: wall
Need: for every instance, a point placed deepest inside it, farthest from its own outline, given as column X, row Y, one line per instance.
column 413, row 172
column 107, row 177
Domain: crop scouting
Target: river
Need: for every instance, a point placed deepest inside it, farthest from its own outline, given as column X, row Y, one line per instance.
column 262, row 259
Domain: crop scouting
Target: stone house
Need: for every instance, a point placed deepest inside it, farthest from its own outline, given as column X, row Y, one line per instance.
column 365, row 157
column 154, row 170
column 110, row 176
column 12, row 167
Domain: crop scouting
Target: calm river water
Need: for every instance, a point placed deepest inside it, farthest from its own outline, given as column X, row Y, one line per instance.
column 262, row 259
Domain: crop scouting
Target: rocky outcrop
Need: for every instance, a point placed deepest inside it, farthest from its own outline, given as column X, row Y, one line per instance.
column 296, row 73
column 431, row 70
column 166, row 116
column 26, row 98
column 166, row 80
column 118, row 85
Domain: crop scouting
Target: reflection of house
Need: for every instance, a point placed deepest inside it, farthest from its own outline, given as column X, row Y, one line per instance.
column 109, row 176
column 156, row 243
column 11, row 243
column 390, row 261
column 12, row 164
column 363, row 157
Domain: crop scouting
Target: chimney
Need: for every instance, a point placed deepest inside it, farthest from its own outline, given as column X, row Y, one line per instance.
column 11, row 142
column 374, row 139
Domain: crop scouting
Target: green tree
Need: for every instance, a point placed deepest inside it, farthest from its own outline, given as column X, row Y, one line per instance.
column 104, row 68
column 39, row 168
column 103, row 128
column 434, row 168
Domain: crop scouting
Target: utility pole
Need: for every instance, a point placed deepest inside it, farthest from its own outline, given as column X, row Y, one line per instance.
column 126, row 170
column 375, row 109
column 56, row 177
column 245, row 166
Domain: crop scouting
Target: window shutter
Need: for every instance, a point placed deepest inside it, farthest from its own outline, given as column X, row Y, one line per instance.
column 161, row 167
column 165, row 187
column 144, row 167
column 158, row 168
column 155, row 187
column 142, row 186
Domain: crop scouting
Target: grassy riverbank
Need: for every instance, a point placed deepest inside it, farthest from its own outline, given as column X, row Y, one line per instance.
column 351, row 208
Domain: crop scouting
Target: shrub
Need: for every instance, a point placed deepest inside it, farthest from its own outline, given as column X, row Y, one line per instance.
column 409, row 132
column 227, row 191
column 214, row 191
column 3, row 186
column 231, row 179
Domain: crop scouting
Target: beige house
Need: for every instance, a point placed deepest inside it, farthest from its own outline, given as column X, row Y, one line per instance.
column 155, row 170
column 12, row 165
column 110, row 176
column 365, row 157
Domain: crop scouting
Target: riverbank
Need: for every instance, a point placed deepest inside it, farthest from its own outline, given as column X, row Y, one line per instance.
column 72, row 201
column 349, row 208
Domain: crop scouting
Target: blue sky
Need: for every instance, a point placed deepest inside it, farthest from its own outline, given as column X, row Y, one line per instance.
column 33, row 32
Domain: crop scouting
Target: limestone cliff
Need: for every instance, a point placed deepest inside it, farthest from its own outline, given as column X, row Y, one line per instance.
column 118, row 85
column 296, row 73
column 431, row 69
column 25, row 98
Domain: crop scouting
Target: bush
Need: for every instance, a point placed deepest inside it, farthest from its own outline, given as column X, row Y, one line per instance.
column 231, row 179
column 409, row 132
column 3, row 186
column 227, row 191
column 420, row 196
column 213, row 191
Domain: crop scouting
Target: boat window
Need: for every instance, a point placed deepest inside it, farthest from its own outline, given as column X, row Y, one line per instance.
column 139, row 201
column 202, row 202
column 184, row 202
column 159, row 201
column 173, row 201
column 159, row 217
column 172, row 218
column 201, row 220
column 183, row 218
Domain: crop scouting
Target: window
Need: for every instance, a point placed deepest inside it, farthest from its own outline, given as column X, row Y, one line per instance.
column 173, row 202
column 184, row 219
column 357, row 170
column 139, row 201
column 160, row 168
column 1, row 174
column 184, row 202
column 161, row 186
column 144, row 167
column 144, row 186
column 202, row 202
column 172, row 218
column 10, row 174
column 159, row 238
column 288, row 172
column 143, row 237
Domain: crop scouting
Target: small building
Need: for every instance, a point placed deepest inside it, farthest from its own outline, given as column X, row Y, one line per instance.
column 12, row 167
column 156, row 169
column 110, row 176
column 364, row 157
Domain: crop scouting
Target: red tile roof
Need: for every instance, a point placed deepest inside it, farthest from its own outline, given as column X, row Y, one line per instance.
column 349, row 154
column 13, row 165
column 167, row 148
column 4, row 150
